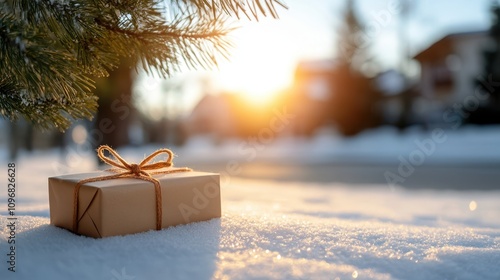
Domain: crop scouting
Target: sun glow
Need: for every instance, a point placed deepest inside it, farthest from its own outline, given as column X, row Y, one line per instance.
column 261, row 64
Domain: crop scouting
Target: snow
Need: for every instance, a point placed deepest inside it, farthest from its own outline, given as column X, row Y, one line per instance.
column 279, row 230
column 468, row 145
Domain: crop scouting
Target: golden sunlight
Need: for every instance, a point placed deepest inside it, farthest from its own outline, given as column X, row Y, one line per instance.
column 261, row 64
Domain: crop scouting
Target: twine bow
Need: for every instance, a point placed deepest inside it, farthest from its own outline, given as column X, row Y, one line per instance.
column 142, row 171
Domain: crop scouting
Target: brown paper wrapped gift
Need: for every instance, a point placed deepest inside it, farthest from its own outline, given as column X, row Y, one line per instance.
column 123, row 205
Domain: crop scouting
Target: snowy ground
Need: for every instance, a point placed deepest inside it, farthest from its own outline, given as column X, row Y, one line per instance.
column 280, row 230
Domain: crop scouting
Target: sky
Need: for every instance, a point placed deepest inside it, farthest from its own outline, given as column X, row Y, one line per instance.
column 267, row 52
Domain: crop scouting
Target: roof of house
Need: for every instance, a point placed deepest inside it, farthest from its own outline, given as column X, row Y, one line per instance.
column 319, row 65
column 443, row 47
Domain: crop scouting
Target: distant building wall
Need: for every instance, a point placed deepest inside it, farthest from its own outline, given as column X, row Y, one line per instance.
column 469, row 50
column 448, row 70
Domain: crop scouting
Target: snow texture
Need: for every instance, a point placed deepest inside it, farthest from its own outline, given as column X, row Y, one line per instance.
column 271, row 230
column 467, row 145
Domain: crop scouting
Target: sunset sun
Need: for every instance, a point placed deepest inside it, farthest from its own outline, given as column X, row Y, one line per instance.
column 261, row 63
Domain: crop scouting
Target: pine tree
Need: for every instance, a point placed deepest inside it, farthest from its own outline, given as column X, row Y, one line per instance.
column 492, row 55
column 488, row 112
column 351, row 40
column 353, row 95
column 51, row 51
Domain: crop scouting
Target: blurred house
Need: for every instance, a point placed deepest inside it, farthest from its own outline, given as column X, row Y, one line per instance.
column 311, row 94
column 228, row 115
column 392, row 85
column 448, row 71
column 326, row 92
column 211, row 116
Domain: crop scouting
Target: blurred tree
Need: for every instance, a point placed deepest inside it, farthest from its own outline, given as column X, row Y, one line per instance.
column 489, row 80
column 353, row 96
column 407, row 96
column 492, row 54
column 51, row 52
column 351, row 43
column 115, row 107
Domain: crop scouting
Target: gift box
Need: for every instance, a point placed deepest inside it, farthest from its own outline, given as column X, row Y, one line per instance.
column 102, row 204
column 127, row 205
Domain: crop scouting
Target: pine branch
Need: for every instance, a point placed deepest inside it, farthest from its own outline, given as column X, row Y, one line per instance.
column 43, row 112
column 51, row 51
column 250, row 8
column 189, row 40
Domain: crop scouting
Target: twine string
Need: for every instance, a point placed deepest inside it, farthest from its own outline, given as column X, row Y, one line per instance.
column 124, row 169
